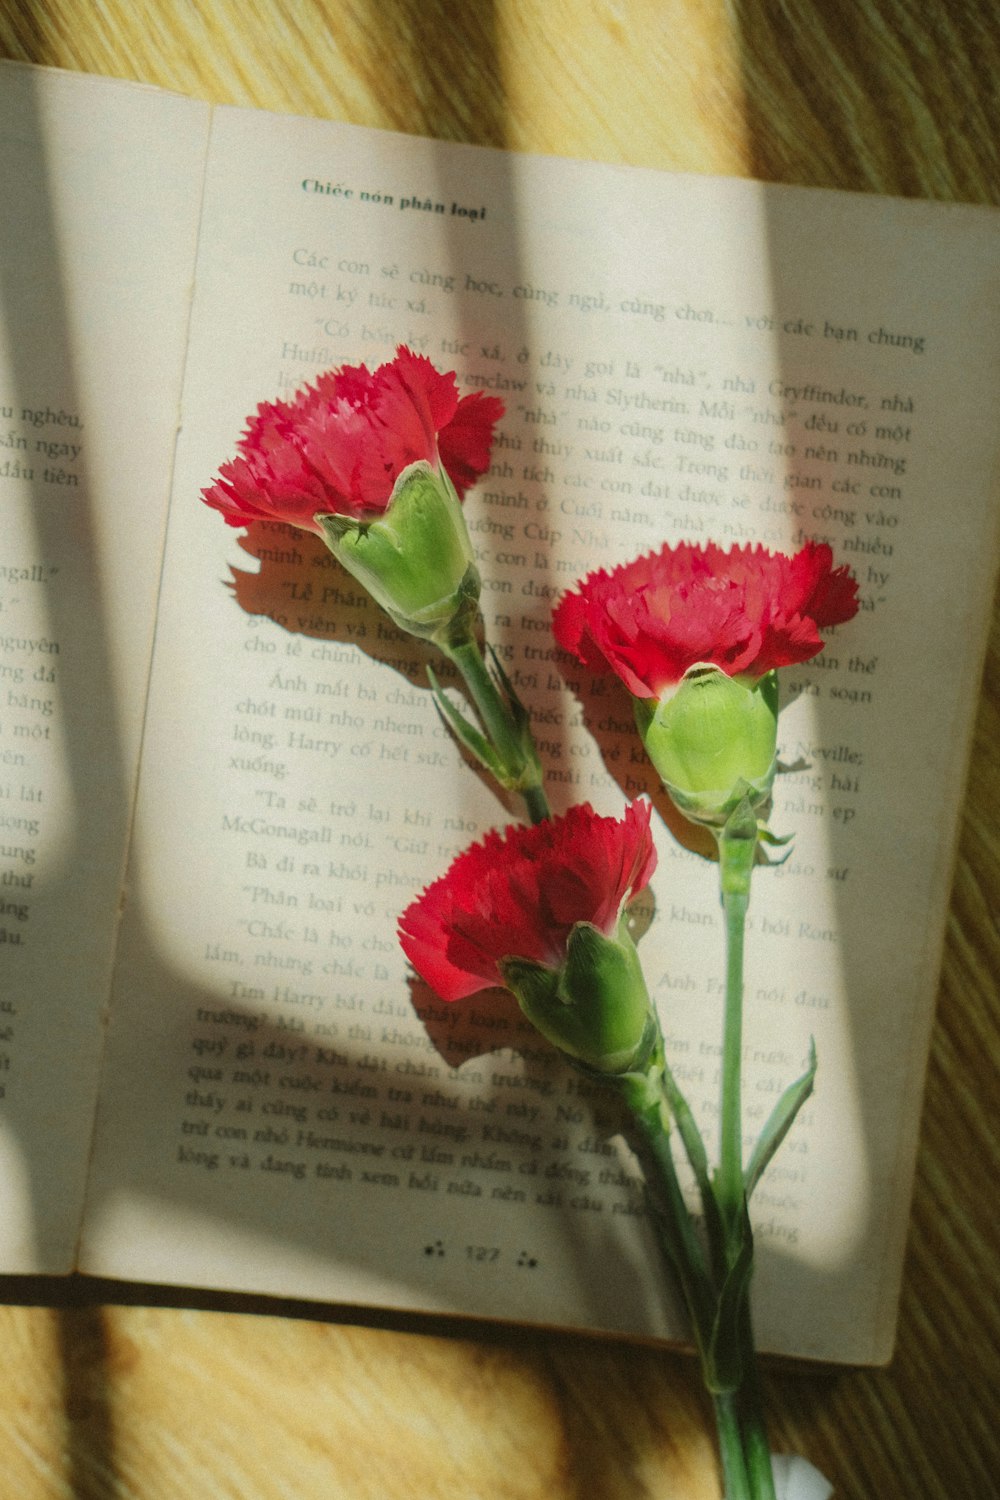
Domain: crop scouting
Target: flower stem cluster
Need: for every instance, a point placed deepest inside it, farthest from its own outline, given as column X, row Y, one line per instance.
column 697, row 636
column 377, row 465
column 542, row 910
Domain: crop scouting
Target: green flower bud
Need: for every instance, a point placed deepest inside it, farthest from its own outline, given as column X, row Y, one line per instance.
column 713, row 741
column 595, row 1007
column 415, row 558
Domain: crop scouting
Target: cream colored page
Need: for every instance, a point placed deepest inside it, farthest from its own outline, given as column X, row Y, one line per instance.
column 101, row 187
column 680, row 358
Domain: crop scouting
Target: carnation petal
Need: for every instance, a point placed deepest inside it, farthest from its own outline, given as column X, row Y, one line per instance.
column 746, row 610
column 338, row 445
column 466, row 441
column 519, row 895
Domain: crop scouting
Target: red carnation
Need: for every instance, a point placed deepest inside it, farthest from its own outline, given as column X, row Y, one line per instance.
column 338, row 447
column 745, row 611
column 520, row 894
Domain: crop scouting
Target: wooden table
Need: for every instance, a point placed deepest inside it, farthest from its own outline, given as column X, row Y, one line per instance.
column 112, row 1392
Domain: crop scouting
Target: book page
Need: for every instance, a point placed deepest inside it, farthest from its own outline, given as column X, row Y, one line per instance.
column 101, row 187
column 286, row 1109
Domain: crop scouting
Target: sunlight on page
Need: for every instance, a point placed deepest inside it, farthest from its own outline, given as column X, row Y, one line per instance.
column 817, row 460
column 681, row 357
column 713, row 72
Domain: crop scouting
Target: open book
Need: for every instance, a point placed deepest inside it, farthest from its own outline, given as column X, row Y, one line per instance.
column 222, row 775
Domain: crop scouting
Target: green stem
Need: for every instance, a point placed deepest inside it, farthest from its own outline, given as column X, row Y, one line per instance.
column 730, row 1179
column 743, row 1443
column 737, row 846
column 510, row 739
column 717, row 1305
column 537, row 803
column 674, row 1226
column 756, row 1448
column 734, row 1466
column 475, row 674
column 737, row 850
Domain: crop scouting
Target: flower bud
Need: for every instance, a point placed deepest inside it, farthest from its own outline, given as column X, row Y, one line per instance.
column 595, row 1006
column 415, row 558
column 713, row 741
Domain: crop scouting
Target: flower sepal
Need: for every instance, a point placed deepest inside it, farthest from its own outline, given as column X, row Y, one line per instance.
column 415, row 558
column 713, row 742
column 595, row 1007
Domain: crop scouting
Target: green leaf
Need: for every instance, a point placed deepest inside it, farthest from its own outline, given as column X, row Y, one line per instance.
column 774, row 839
column 518, row 712
column 779, row 1123
column 725, row 1345
column 694, row 1148
column 467, row 734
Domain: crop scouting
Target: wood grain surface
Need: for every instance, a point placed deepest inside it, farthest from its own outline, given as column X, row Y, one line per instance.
column 111, row 1392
